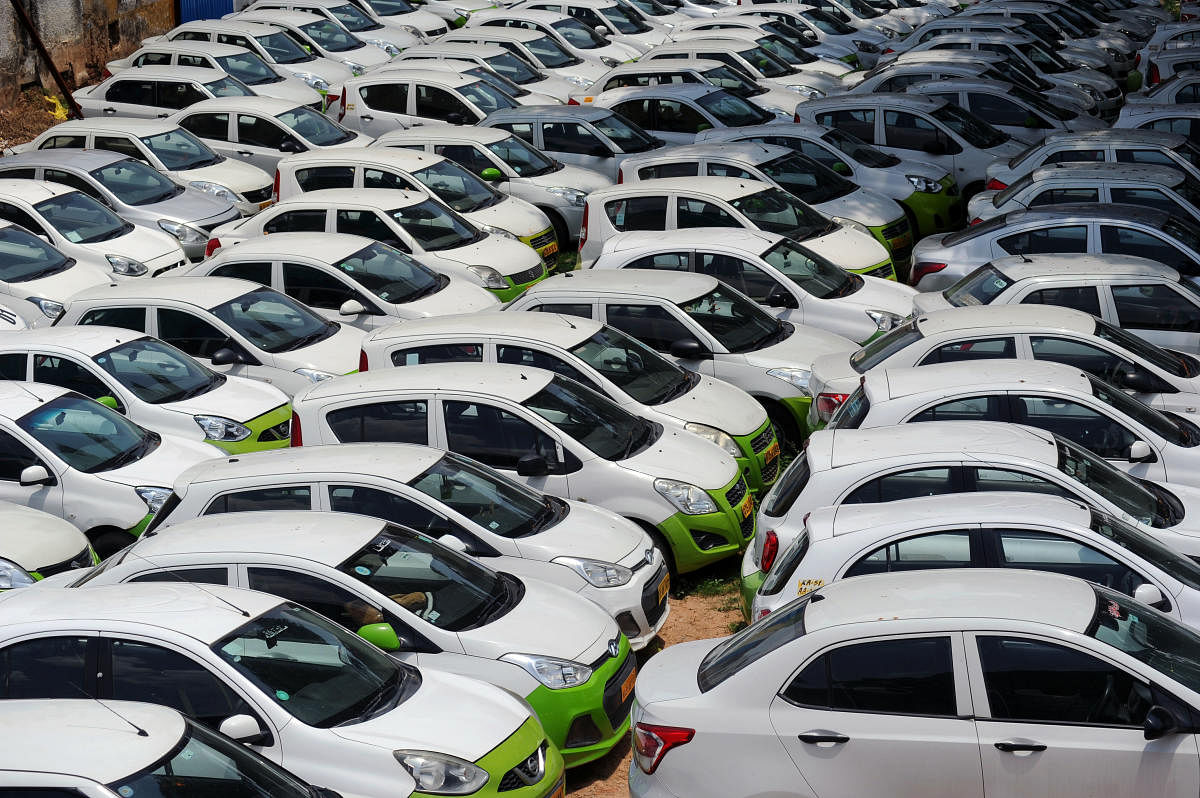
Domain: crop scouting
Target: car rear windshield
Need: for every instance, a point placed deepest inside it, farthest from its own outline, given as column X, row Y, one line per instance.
column 810, row 181
column 967, row 233
column 179, row 150
column 785, row 493
column 752, row 643
column 785, row 566
column 979, row 287
column 885, row 346
column 777, row 211
column 1005, row 194
column 731, row 110
column 852, row 412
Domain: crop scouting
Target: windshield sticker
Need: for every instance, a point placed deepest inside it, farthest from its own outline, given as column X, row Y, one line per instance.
column 282, row 695
column 432, row 615
column 125, row 791
column 362, row 570
column 269, row 634
column 74, row 238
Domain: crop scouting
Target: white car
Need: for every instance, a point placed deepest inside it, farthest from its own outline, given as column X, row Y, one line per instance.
column 956, row 684
column 1147, row 443
column 403, row 14
column 984, row 530
column 168, row 148
column 456, row 12
column 575, row 36
column 683, row 202
column 424, row 603
column 676, row 112
column 606, row 17
column 83, row 228
column 387, row 36
column 384, row 167
column 705, row 326
column 36, row 278
column 348, row 278
column 296, row 688
column 38, row 545
column 322, row 37
column 604, row 359
column 507, row 65
column 579, row 546
column 156, row 91
column 409, row 94
column 786, row 278
column 77, row 459
column 235, row 327
column 152, row 384
column 410, row 221
column 823, row 72
column 556, row 435
column 542, row 51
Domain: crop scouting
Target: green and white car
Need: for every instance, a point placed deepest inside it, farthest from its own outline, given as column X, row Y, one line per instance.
column 38, row 545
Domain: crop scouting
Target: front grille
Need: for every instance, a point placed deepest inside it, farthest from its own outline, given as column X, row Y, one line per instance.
column 545, row 239
column 884, row 271
column 280, row 432
column 614, row 708
column 896, row 230
column 746, row 525
column 257, row 195
column 165, row 269
column 650, row 603
column 526, row 773
column 736, row 493
column 81, row 560
column 527, row 276
column 1112, row 93
column 762, row 440
column 770, row 471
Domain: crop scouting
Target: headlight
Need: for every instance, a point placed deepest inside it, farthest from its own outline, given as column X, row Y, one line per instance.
column 797, row 377
column 387, row 47
column 807, row 91
column 611, row 63
column 216, row 189
column 553, row 672
column 573, row 196
column 488, row 277
column 441, row 774
column 884, row 320
column 126, row 266
column 13, row 575
column 49, row 307
column 1088, row 90
column 888, row 32
column 716, row 436
column 313, row 81
column 497, row 231
column 597, row 572
column 217, row 428
column 184, row 232
column 578, row 80
column 316, row 375
column 853, row 225
column 355, row 67
column 924, row 184
column 688, row 499
column 153, row 497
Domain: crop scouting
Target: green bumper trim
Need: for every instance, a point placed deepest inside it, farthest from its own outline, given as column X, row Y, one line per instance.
column 558, row 709
column 137, row 530
column 752, row 464
column 798, row 407
column 549, row 252
column 514, row 290
column 257, row 426
column 902, row 244
column 749, row 586
column 513, row 751
column 936, row 213
column 725, row 523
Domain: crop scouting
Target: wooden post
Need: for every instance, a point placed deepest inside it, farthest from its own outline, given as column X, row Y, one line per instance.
column 27, row 24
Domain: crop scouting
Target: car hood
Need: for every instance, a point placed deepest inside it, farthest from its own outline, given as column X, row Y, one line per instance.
column 547, row 620
column 717, row 404
column 511, row 214
column 193, row 206
column 1009, row 148
column 929, row 301
column 1089, row 77
column 292, row 89
column 503, row 255
column 801, row 348
column 577, row 177
column 848, row 248
column 237, row 398
column 1084, row 122
column 586, row 531
column 240, row 177
column 449, row 714
column 163, row 465
column 62, row 286
column 140, row 243
column 671, row 673
column 459, row 296
column 863, row 206
column 50, row 543
column 880, row 294
column 687, row 458
column 337, row 354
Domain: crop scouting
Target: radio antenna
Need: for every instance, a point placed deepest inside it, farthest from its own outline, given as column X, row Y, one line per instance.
column 199, row 585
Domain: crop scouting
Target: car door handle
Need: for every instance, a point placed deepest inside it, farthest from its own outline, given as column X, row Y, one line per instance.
column 109, row 110
column 244, row 153
column 1015, row 746
column 163, row 116
column 823, row 736
column 367, row 118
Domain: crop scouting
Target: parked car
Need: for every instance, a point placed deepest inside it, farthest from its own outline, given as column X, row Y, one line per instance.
column 403, row 14
column 539, row 49
column 676, row 113
column 38, row 545
column 322, row 37
column 496, row 58
column 36, row 278
column 1167, row 117
column 400, row 97
column 156, row 92
column 606, row 17
column 573, row 35
column 387, row 36
column 1182, row 87
column 1115, row 145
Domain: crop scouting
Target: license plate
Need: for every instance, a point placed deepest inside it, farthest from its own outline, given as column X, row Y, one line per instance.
column 902, row 242
column 663, row 587
column 747, row 507
column 263, row 205
column 627, row 687
column 560, row 791
column 550, row 249
column 772, row 452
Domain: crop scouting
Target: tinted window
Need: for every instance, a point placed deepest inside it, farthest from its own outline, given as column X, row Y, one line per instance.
column 638, row 213
column 155, row 675
column 1058, row 196
column 14, row 457
column 494, row 436
column 119, row 144
column 1155, row 157
column 905, row 485
column 860, row 124
column 911, row 132
column 1073, row 156
column 12, row 367
column 1075, row 422
column 391, row 422
column 369, row 225
column 18, row 216
column 172, row 94
column 1051, row 239
column 981, row 349
column 1001, row 479
column 669, row 261
column 388, row 97
column 1084, row 298
column 207, row 126
column 319, row 595
column 127, row 318
column 316, row 178
column 938, row 550
column 377, row 178
column 1125, row 241
column 258, row 132
column 465, row 155
column 441, row 104
column 315, row 288
column 438, row 353
column 583, row 311
column 63, row 142
column 1092, row 359
column 48, row 667
column 390, row 507
column 669, row 170
column 571, row 137
column 742, row 275
column 1155, row 307
column 524, row 356
column 652, row 325
column 69, row 374
column 272, row 498
column 138, row 92
column 190, row 333
column 1043, row 551
column 302, row 221
column 690, row 212
column 255, row 272
column 975, row 408
column 207, row 576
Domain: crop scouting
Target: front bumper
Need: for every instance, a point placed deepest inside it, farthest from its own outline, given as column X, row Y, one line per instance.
column 502, row 762
column 897, row 237
column 641, row 607
column 271, row 430
column 517, row 283
column 937, row 213
column 699, row 540
column 759, row 462
column 546, row 245
column 751, row 581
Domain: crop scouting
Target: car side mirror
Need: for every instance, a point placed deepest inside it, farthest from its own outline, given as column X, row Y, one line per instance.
column 1150, row 595
column 244, row 729
column 110, row 402
column 841, row 168
column 381, row 635
column 291, row 145
column 491, row 174
column 782, row 298
column 36, row 475
column 533, row 465
column 934, row 147
column 455, row 118
column 351, row 307
column 453, row 542
column 1159, row 722
column 1138, row 381
column 226, row 356
column 1140, row 452
column 601, row 29
column 600, row 151
column 689, row 349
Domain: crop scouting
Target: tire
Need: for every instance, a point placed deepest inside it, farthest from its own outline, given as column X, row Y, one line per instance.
column 107, row 540
column 664, row 548
column 970, row 191
column 786, row 430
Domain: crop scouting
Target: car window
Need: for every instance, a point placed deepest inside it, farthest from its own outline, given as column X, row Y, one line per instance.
column 1071, row 238
column 581, row 310
column 933, row 481
column 177, row 94
column 120, row 144
column 526, row 356
column 1126, row 241
column 74, row 181
column 190, row 333
column 254, row 271
column 858, row 123
column 319, row 595
column 309, row 220
column 392, row 507
column 13, row 367
column 911, row 676
column 368, row 224
column 974, row 408
column 678, row 169
column 1002, row 111
column 1155, row 307
column 207, row 576
column 258, row 132
column 207, row 126
column 67, row 373
column 316, row 178
column 127, row 318
column 1155, row 157
column 950, row 549
column 465, row 155
column 297, row 497
column 676, row 117
column 637, row 213
column 194, row 61
column 1058, row 196
column 1039, row 681
column 437, row 103
column 571, row 137
column 46, row 667
column 1092, row 359
column 381, row 422
column 912, row 132
column 651, row 324
column 156, row 675
column 522, row 130
column 63, row 142
column 728, row 170
column 494, row 436
column 1002, row 479
column 1150, row 197
column 1081, row 297
column 1184, row 126
column 742, row 275
column 692, row 212
column 388, row 97
column 136, row 92
column 978, row 349
column 1046, row 551
column 315, row 288
column 663, row 261
column 153, row 59
column 639, row 112
column 378, row 178
column 1075, row 422
column 438, row 353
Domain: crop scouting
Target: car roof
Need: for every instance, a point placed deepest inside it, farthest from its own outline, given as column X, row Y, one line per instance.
column 382, row 198
column 986, row 507
column 799, row 129
column 18, row 398
column 398, row 461
column 1086, row 170
column 978, row 318
column 530, row 14
column 983, row 35
column 269, row 106
column 950, row 56
column 32, row 191
column 1024, row 267
column 661, row 65
column 1114, row 135
column 750, row 152
column 192, row 46
column 674, row 287
column 230, row 24
column 1001, row 375
column 511, row 382
column 65, row 157
column 588, row 113
column 688, row 91
column 493, row 32
column 410, row 70
column 88, row 339
column 121, row 124
column 203, row 292
column 915, row 102
column 326, row 247
column 1142, row 214
column 731, row 41
column 552, row 328
column 725, row 188
column 398, row 157
column 456, row 48
column 198, row 74
column 918, row 442
column 756, row 241
column 472, row 133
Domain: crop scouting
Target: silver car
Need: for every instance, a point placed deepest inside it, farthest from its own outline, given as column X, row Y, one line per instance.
column 137, row 192
column 1116, row 145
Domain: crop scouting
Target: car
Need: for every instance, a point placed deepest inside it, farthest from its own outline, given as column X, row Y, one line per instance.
column 132, row 189
column 1006, row 662
column 1167, row 117
column 1182, row 87
column 470, row 67
column 348, row 278
column 418, row 600
column 1170, row 35
column 741, row 50
column 264, row 131
column 455, row 12
column 573, row 35
column 705, row 326
column 784, row 277
column 78, row 746
column 602, row 358
column 410, row 94
column 813, row 183
column 1096, row 228
column 863, row 16
column 321, row 36
column 684, row 202
column 410, row 221
column 38, row 545
column 235, row 327
column 814, row 73
column 1169, row 62
column 1059, row 398
column 387, row 36
column 827, row 29
column 168, row 148
column 617, row 19
column 35, row 278
column 676, row 113
column 556, row 435
column 496, row 58
column 84, row 228
column 960, row 23
column 513, row 166
column 1079, row 41
column 202, row 649
column 385, row 167
column 1115, row 145
column 983, row 530
column 1139, row 295
column 540, row 50
column 156, row 91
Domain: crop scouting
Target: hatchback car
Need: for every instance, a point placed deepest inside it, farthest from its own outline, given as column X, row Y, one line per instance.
column 36, row 278
column 541, row 51
column 387, row 36
column 409, row 94
column 676, row 113
column 573, row 35
column 1169, row 118
column 322, row 37
column 1115, row 145
column 156, row 92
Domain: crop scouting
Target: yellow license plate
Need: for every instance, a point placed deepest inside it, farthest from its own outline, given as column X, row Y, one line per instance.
column 663, row 587
column 901, row 242
column 263, row 205
column 627, row 687
column 747, row 507
column 772, row 452
column 550, row 249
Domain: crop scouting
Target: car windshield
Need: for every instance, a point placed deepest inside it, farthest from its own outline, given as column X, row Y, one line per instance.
column 1129, row 537
column 626, row 135
column 1039, row 104
column 314, row 127
column 811, row 272
column 637, row 369
column 768, row 65
column 448, row 589
column 496, row 81
column 1185, row 232
column 886, row 345
column 179, row 150
column 204, row 763
column 390, row 274
column 733, row 81
column 1170, row 362
column 249, row 69
column 753, row 643
column 550, row 53
column 731, row 110
column 777, row 211
column 826, row 23
column 156, row 372
column 862, row 9
column 979, row 287
column 492, row 501
column 513, row 68
column 651, row 7
column 595, row 421
column 274, row 322
column 622, row 20
column 24, row 256
column 283, row 49
column 486, row 97
column 436, row 227
column 784, row 50
column 807, row 179
column 458, row 188
column 81, row 219
column 734, row 320
column 390, row 8
column 859, row 151
column 1151, row 637
column 228, row 87
column 974, row 130
column 521, row 158
column 1189, row 153
column 1049, row 63
column 1019, row 72
column 1108, row 482
column 331, row 37
column 1161, row 424
column 352, row 19
column 315, row 670
column 135, row 183
column 86, row 435
column 579, row 35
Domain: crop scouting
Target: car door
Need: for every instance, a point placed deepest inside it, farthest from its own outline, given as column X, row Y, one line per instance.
column 214, row 130
column 1129, row 240
column 575, row 143
column 128, row 97
column 261, row 142
column 660, row 328
column 917, row 137
column 15, row 457
column 200, row 338
column 381, row 106
column 1108, row 366
column 441, row 105
column 326, row 294
column 1044, row 708
column 69, row 373
column 1164, row 314
column 785, row 301
column 862, row 718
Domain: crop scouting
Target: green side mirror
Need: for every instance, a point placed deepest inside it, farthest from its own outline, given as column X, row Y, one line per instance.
column 491, row 174
column 703, row 126
column 109, row 402
column 841, row 168
column 382, row 635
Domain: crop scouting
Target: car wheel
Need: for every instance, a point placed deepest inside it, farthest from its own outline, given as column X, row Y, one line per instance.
column 786, row 430
column 560, row 228
column 664, row 549
column 107, row 540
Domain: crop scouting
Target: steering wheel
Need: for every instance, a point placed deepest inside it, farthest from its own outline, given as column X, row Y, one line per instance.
column 1110, row 686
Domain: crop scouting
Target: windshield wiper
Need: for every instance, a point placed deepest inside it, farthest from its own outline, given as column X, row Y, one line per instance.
column 495, row 604
column 386, row 691
column 312, row 338
column 636, row 439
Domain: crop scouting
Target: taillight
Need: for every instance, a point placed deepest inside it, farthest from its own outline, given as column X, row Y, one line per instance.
column 1186, row 17
column 975, row 221
column 796, row 117
column 105, row 74
column 275, row 188
column 297, row 433
column 769, row 551
column 827, row 403
column 763, row 613
column 621, row 174
column 888, row 51
column 583, row 227
column 651, row 743
column 923, row 268
column 572, row 101
column 1153, row 77
column 995, row 185
column 213, row 245
column 362, row 360
column 1137, row 59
